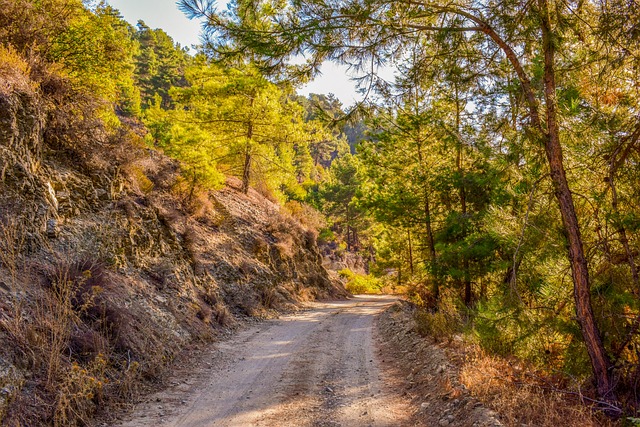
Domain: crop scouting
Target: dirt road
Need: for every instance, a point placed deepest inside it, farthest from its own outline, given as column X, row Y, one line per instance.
column 318, row 368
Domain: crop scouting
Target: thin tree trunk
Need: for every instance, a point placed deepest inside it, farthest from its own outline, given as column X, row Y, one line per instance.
column 348, row 230
column 410, row 252
column 622, row 231
column 432, row 246
column 599, row 360
column 463, row 202
column 246, row 170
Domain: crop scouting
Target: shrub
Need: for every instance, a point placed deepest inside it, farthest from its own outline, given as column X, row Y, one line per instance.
column 306, row 214
column 139, row 179
column 523, row 396
column 326, row 235
column 360, row 283
column 442, row 321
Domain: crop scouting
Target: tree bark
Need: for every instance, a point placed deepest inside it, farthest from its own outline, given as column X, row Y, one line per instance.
column 620, row 228
column 468, row 297
column 410, row 252
column 246, row 171
column 432, row 245
column 600, row 362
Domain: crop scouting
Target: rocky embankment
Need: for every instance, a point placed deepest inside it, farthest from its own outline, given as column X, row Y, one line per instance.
column 111, row 263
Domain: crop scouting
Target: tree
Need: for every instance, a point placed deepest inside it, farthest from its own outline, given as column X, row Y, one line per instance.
column 233, row 121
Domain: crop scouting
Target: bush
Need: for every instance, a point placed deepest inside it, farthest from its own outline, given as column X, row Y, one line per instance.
column 306, row 214
column 360, row 283
column 441, row 322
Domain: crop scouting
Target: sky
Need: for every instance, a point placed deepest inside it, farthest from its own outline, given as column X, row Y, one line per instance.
column 165, row 14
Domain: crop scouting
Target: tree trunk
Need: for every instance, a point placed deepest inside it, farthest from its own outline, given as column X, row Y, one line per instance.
column 463, row 203
column 410, row 252
column 432, row 245
column 622, row 231
column 246, row 170
column 599, row 360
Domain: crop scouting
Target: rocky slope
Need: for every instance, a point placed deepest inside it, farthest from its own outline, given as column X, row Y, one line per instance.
column 111, row 263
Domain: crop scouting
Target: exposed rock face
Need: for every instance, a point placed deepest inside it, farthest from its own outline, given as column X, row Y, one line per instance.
column 22, row 123
column 108, row 270
column 11, row 381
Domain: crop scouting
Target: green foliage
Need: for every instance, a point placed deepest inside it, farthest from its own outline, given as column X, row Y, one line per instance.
column 160, row 65
column 360, row 283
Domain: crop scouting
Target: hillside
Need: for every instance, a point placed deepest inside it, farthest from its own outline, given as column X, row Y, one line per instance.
column 112, row 264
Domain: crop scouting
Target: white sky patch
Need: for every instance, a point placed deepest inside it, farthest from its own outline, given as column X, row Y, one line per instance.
column 162, row 14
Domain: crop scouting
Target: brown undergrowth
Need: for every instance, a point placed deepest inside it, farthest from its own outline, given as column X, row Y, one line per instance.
column 524, row 397
column 522, row 394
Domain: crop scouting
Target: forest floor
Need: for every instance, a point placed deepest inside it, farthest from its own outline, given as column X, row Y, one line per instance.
column 335, row 364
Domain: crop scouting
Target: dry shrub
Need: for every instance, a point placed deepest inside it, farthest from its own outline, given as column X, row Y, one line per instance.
column 260, row 248
column 79, row 392
column 282, row 228
column 13, row 69
column 216, row 310
column 139, row 180
column 268, row 295
column 221, row 314
column 12, row 242
column 263, row 189
column 306, row 214
column 203, row 312
column 190, row 245
column 194, row 199
column 522, row 399
column 74, row 342
column 443, row 321
column 44, row 335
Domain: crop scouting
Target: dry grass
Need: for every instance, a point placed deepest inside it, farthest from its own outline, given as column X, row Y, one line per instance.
column 12, row 242
column 13, row 69
column 520, row 398
column 306, row 214
column 138, row 179
column 283, row 228
column 43, row 334
column 68, row 336
column 215, row 309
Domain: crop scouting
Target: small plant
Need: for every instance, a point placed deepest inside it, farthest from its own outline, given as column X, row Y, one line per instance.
column 307, row 215
column 139, row 179
column 326, row 235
